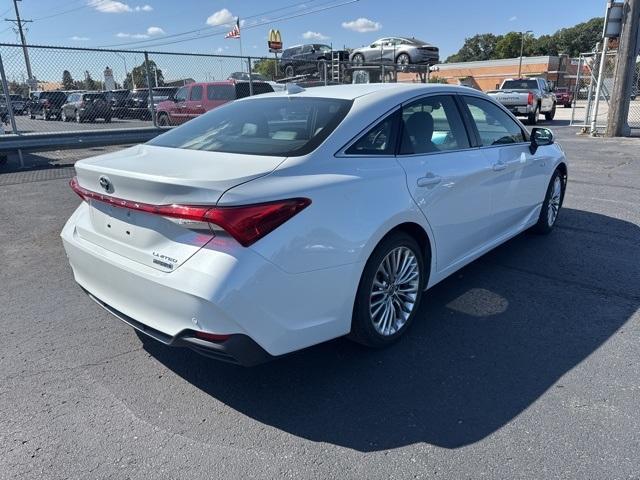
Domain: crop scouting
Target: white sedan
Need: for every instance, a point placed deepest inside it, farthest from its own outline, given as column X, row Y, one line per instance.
column 281, row 221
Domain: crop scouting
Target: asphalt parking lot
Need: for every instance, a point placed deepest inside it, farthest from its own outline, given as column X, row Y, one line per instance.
column 25, row 124
column 522, row 365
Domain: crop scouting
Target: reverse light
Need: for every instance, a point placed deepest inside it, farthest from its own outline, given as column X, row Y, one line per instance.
column 246, row 223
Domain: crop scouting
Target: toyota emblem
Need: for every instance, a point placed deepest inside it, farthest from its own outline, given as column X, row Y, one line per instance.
column 105, row 183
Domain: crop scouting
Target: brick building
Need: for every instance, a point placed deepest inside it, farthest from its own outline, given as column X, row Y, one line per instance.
column 489, row 74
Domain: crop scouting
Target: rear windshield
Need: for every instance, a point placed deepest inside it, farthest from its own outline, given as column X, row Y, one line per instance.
column 519, row 85
column 52, row 95
column 281, row 126
column 242, row 89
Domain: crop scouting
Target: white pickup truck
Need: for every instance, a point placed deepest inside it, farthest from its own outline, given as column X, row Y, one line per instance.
column 526, row 97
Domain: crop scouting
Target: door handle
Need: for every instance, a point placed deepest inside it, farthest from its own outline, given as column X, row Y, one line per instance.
column 500, row 165
column 429, row 180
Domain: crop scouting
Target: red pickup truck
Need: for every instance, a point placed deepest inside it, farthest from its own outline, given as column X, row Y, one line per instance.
column 564, row 96
column 195, row 99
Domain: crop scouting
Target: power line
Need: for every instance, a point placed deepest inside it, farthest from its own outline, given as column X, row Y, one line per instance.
column 141, row 42
column 255, row 25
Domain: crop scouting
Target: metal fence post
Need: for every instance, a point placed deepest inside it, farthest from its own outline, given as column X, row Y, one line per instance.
column 324, row 68
column 152, row 107
column 250, row 78
column 603, row 59
column 7, row 98
column 576, row 90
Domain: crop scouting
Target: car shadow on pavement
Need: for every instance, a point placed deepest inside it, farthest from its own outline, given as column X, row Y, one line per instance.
column 489, row 341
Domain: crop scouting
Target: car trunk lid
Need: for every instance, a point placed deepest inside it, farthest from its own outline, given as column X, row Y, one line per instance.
column 155, row 175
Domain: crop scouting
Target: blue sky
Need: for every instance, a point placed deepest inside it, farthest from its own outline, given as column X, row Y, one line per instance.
column 106, row 22
column 159, row 24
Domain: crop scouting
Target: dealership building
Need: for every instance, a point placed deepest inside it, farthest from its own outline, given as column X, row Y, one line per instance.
column 489, row 74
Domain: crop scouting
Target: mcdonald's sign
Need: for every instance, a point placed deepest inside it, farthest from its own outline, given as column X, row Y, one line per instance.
column 274, row 41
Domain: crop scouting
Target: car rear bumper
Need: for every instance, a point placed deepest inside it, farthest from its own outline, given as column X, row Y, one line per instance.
column 237, row 348
column 221, row 289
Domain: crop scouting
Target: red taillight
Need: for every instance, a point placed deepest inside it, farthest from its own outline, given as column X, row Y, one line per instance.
column 246, row 223
column 530, row 99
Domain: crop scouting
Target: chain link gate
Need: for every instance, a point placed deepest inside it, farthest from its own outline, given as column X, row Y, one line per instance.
column 588, row 109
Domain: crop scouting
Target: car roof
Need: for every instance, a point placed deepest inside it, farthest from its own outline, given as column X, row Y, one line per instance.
column 382, row 90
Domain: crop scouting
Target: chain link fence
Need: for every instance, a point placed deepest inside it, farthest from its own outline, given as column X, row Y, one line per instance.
column 67, row 89
column 590, row 107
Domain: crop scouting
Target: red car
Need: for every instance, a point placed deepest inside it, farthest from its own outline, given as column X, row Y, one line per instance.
column 564, row 96
column 195, row 99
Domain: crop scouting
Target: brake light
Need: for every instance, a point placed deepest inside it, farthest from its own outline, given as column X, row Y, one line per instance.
column 246, row 223
column 530, row 99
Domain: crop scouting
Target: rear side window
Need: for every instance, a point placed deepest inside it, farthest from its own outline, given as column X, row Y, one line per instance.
column 432, row 124
column 379, row 140
column 196, row 92
column 277, row 126
column 220, row 92
column 494, row 126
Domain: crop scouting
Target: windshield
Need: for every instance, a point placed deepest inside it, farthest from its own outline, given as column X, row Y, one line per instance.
column 519, row 85
column 280, row 126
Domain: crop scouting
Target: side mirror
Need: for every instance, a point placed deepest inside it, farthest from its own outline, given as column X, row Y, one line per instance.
column 539, row 138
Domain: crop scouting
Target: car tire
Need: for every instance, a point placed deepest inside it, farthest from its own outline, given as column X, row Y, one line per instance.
column 32, row 116
column 550, row 115
column 47, row 116
column 385, row 307
column 163, row 120
column 358, row 59
column 567, row 105
column 552, row 204
column 289, row 71
column 532, row 118
column 403, row 59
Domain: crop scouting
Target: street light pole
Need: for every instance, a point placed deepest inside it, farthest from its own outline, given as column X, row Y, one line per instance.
column 522, row 51
column 126, row 71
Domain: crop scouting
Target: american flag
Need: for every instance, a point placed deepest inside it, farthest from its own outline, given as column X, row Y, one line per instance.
column 235, row 32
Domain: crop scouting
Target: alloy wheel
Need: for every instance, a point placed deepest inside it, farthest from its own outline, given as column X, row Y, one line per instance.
column 554, row 201
column 394, row 291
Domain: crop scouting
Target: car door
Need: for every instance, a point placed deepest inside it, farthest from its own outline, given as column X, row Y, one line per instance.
column 372, row 53
column 195, row 105
column 518, row 177
column 449, row 180
column 178, row 111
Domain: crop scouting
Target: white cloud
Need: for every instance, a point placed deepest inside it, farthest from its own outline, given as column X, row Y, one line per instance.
column 109, row 6
column 309, row 35
column 513, row 19
column 76, row 38
column 131, row 35
column 221, row 17
column 362, row 25
column 152, row 31
column 113, row 6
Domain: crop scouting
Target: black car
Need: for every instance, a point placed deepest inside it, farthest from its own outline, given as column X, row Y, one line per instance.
column 87, row 107
column 118, row 101
column 47, row 104
column 137, row 102
column 308, row 59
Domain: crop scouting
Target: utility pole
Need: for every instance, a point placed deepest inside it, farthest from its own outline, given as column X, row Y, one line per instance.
column 19, row 23
column 617, row 119
column 522, row 51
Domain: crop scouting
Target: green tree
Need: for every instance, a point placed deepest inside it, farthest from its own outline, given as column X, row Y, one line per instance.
column 509, row 45
column 580, row 38
column 138, row 76
column 89, row 83
column 67, row 81
column 265, row 67
column 479, row 47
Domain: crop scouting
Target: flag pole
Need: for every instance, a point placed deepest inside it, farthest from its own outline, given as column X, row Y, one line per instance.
column 240, row 39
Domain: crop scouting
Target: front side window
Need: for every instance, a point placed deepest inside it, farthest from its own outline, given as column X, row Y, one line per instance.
column 181, row 94
column 494, row 125
column 432, row 124
column 379, row 140
column 276, row 126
